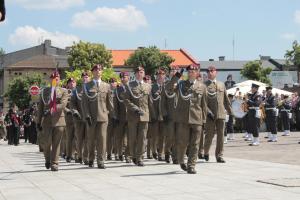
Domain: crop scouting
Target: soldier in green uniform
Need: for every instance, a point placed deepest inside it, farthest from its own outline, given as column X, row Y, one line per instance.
column 79, row 121
column 97, row 103
column 110, row 146
column 138, row 104
column 51, row 120
column 190, row 116
column 217, row 103
column 70, row 128
column 158, row 129
column 121, row 122
column 169, row 102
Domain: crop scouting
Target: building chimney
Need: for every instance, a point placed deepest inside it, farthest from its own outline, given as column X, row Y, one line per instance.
column 221, row 58
column 211, row 59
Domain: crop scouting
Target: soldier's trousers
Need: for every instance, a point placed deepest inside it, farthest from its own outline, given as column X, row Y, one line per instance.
column 253, row 123
column 110, row 138
column 81, row 140
column 271, row 123
column 170, row 148
column 70, row 140
column 212, row 127
column 121, row 130
column 137, row 132
column 201, row 143
column 188, row 135
column 63, row 144
column 158, row 137
column 51, row 139
column 285, row 120
column 97, row 134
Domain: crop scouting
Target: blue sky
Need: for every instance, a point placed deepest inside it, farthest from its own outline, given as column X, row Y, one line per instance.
column 204, row 28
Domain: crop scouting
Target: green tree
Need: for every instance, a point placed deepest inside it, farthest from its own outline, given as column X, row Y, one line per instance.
column 293, row 56
column 84, row 55
column 2, row 52
column 253, row 70
column 150, row 58
column 18, row 89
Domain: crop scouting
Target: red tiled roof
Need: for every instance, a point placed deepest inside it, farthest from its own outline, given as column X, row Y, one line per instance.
column 182, row 58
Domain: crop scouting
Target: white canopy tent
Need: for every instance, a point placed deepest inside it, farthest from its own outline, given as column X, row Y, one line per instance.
column 245, row 87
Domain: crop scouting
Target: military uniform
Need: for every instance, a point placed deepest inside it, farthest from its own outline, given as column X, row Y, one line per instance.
column 169, row 100
column 254, row 115
column 53, row 125
column 271, row 122
column 139, row 111
column 158, row 126
column 190, row 116
column 70, row 129
column 97, row 101
column 217, row 103
column 285, row 112
column 121, row 128
column 80, row 125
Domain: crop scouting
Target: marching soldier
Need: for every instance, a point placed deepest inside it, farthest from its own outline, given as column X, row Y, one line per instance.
column 51, row 120
column 9, row 126
column 217, row 102
column 285, row 112
column 121, row 130
column 271, row 122
column 79, row 121
column 139, row 111
column 169, row 102
column 110, row 146
column 158, row 125
column 190, row 116
column 97, row 101
column 70, row 129
column 254, row 114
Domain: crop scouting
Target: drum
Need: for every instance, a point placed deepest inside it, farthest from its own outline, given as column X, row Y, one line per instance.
column 237, row 108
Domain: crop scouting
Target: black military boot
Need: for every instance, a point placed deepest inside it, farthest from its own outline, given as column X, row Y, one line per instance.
column 101, row 165
column 47, row 165
column 121, row 158
column 54, row 168
column 206, row 157
column 155, row 156
column 160, row 158
column 167, row 158
column 200, row 156
column 68, row 159
column 183, row 167
column 91, row 163
column 134, row 161
column 109, row 157
column 140, row 163
column 79, row 160
column 191, row 170
column 220, row 160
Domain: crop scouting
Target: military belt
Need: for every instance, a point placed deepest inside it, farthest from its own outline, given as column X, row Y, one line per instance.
column 253, row 108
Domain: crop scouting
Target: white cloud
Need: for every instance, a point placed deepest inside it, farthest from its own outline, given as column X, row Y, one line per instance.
column 149, row 1
column 128, row 18
column 289, row 36
column 31, row 36
column 297, row 16
column 48, row 4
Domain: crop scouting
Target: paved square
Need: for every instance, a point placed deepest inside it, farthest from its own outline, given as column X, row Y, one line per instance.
column 23, row 176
